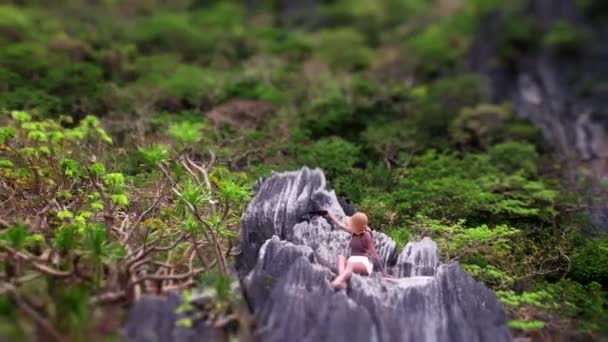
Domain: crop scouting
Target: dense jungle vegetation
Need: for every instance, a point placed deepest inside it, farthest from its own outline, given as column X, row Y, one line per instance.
column 132, row 132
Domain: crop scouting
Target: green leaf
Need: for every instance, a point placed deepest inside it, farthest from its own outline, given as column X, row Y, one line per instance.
column 193, row 193
column 186, row 132
column 190, row 224
column 98, row 169
column 29, row 152
column 95, row 240
column 97, row 206
column 65, row 214
column 6, row 133
column 526, row 325
column 120, row 200
column 16, row 236
column 115, row 181
column 37, row 136
column 34, row 239
column 44, row 150
column 233, row 192
column 71, row 167
column 83, row 216
column 21, row 116
column 184, row 322
column 6, row 164
column 154, row 154
column 65, row 237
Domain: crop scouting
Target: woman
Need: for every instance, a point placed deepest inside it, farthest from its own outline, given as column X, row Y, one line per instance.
column 361, row 249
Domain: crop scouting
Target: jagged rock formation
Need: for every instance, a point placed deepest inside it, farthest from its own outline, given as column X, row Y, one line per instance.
column 154, row 319
column 288, row 260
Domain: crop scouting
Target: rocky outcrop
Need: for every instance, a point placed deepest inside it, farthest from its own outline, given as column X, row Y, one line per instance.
column 155, row 318
column 288, row 260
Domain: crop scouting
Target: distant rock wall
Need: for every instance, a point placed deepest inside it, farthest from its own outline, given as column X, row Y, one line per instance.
column 565, row 94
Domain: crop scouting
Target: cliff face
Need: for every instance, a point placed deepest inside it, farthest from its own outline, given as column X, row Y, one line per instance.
column 559, row 86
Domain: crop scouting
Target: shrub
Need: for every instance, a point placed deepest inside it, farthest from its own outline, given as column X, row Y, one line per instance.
column 343, row 48
column 79, row 85
column 29, row 60
column 499, row 183
column 328, row 115
column 171, row 32
column 590, row 262
column 482, row 125
column 335, row 156
column 187, row 84
column 99, row 227
column 565, row 37
column 249, row 88
column 15, row 23
column 565, row 299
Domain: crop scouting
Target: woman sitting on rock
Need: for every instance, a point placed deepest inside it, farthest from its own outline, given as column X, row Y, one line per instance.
column 361, row 249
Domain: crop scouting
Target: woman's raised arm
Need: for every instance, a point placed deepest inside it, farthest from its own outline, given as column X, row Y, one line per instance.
column 339, row 224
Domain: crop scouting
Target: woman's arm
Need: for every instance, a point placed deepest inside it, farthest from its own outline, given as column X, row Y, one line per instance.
column 340, row 224
column 372, row 253
column 371, row 248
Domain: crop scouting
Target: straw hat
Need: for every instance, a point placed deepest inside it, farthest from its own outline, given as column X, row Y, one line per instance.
column 357, row 222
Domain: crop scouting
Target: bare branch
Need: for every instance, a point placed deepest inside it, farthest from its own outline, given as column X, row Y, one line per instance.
column 167, row 277
column 154, row 205
column 108, row 298
column 49, row 330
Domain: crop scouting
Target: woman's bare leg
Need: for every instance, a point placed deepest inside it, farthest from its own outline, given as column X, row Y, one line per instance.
column 350, row 267
column 342, row 278
column 341, row 264
column 341, row 268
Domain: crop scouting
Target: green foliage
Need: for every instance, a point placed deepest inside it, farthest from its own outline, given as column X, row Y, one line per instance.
column 530, row 325
column 186, row 132
column 344, row 48
column 154, row 154
column 171, row 31
column 327, row 114
column 565, row 37
column 231, row 191
column 79, row 83
column 519, row 35
column 457, row 241
column 189, row 83
column 480, row 126
column 95, row 217
column 335, row 156
column 488, row 274
column 400, row 236
column 500, row 183
column 15, row 237
column 434, row 45
column 590, row 262
column 571, row 299
column 15, row 24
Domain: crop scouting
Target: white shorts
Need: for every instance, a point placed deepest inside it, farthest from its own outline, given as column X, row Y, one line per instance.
column 363, row 260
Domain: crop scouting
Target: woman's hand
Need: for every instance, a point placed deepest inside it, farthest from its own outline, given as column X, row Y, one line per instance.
column 338, row 223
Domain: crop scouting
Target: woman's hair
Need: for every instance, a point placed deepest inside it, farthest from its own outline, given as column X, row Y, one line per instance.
column 358, row 222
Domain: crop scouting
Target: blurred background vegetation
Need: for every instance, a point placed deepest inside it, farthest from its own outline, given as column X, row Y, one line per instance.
column 376, row 93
